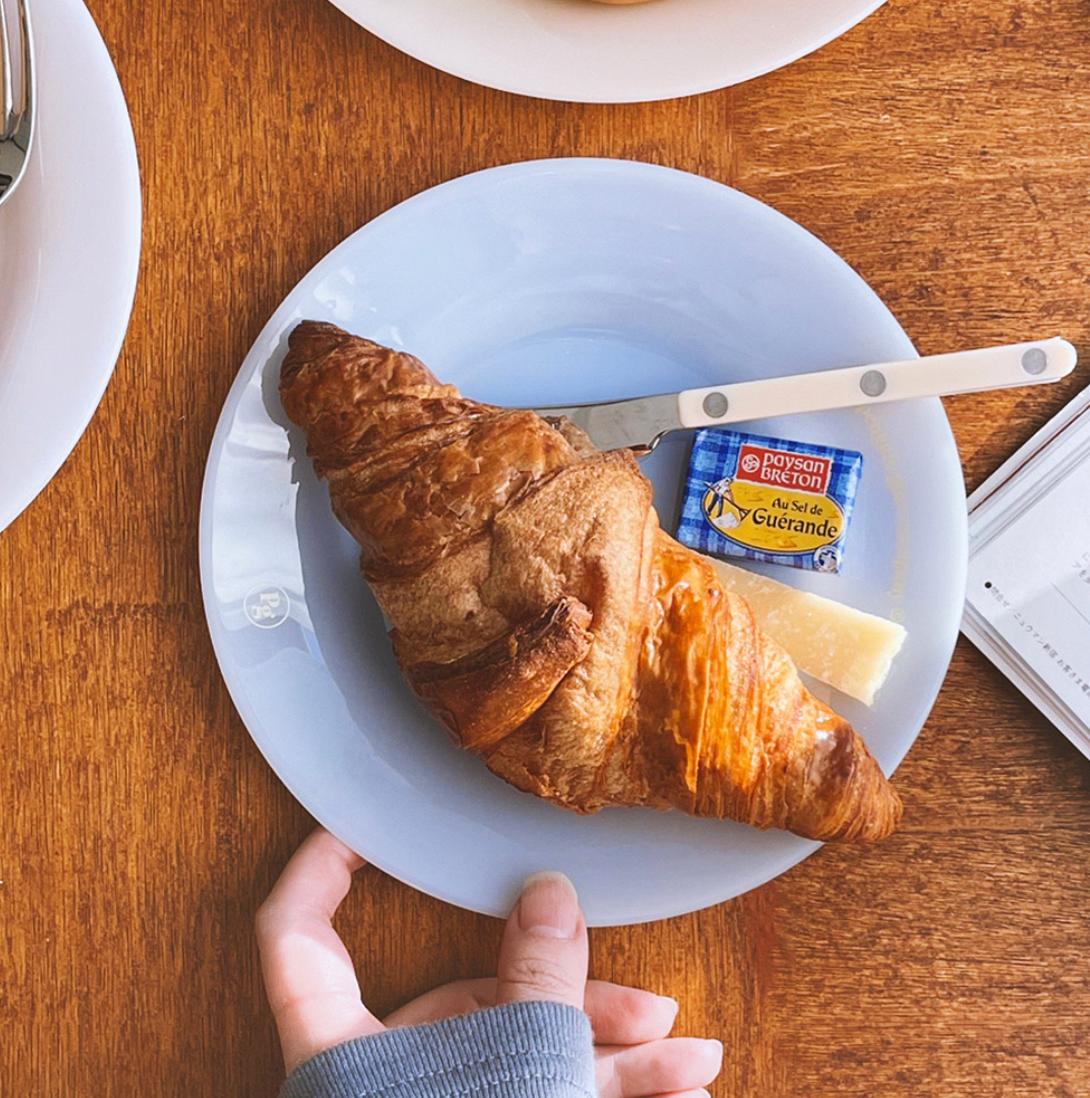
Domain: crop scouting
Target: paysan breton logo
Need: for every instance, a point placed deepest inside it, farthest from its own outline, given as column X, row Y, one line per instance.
column 782, row 469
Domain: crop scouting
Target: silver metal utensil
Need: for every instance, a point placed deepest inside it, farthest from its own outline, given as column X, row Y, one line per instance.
column 18, row 100
column 640, row 423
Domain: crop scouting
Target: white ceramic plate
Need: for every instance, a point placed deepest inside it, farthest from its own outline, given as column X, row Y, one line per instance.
column 552, row 282
column 599, row 53
column 69, row 251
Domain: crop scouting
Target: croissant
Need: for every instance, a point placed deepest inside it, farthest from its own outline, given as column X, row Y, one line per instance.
column 542, row 615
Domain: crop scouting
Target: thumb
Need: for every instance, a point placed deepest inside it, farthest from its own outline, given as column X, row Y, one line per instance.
column 543, row 955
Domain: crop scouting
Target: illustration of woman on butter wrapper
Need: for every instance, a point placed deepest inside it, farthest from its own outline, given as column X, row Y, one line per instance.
column 720, row 506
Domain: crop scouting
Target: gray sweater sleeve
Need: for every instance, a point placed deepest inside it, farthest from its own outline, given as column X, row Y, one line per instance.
column 523, row 1050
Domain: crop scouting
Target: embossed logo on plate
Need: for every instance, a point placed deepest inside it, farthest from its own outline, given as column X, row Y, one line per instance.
column 267, row 606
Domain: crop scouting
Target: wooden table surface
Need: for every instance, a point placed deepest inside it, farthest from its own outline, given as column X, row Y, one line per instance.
column 943, row 148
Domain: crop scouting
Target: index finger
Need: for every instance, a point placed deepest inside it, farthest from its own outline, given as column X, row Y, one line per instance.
column 309, row 976
column 317, row 877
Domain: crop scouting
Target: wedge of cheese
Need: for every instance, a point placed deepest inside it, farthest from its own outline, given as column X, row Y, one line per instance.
column 846, row 648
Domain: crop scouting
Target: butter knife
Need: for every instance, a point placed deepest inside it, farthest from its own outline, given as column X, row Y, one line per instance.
column 639, row 423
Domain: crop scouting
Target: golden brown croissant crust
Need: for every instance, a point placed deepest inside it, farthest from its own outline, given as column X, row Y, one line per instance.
column 545, row 618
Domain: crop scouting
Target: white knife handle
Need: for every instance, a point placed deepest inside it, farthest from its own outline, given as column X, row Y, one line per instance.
column 1036, row 363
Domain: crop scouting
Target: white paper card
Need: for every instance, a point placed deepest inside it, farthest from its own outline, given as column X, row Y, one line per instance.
column 1028, row 600
column 1032, row 583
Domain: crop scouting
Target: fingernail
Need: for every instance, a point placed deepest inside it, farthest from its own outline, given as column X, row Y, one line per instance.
column 711, row 1042
column 668, row 1000
column 548, row 906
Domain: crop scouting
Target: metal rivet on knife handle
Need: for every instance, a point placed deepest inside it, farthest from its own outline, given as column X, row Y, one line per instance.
column 873, row 383
column 716, row 405
column 1034, row 361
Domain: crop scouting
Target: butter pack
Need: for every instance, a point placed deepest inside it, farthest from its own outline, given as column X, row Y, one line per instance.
column 769, row 499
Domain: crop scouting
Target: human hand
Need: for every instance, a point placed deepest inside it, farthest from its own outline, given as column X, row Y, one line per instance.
column 316, row 1001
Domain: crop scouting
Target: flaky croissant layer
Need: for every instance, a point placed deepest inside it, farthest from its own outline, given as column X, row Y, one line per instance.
column 545, row 618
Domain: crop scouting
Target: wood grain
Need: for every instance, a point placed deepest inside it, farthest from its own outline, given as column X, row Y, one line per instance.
column 943, row 148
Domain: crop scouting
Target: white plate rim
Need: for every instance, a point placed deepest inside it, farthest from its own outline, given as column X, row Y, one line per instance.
column 118, row 210
column 668, row 87
column 372, row 854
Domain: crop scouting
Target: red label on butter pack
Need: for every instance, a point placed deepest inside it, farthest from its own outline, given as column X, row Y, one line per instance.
column 783, row 469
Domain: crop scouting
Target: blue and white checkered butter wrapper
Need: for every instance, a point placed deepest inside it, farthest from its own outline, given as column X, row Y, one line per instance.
column 769, row 499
